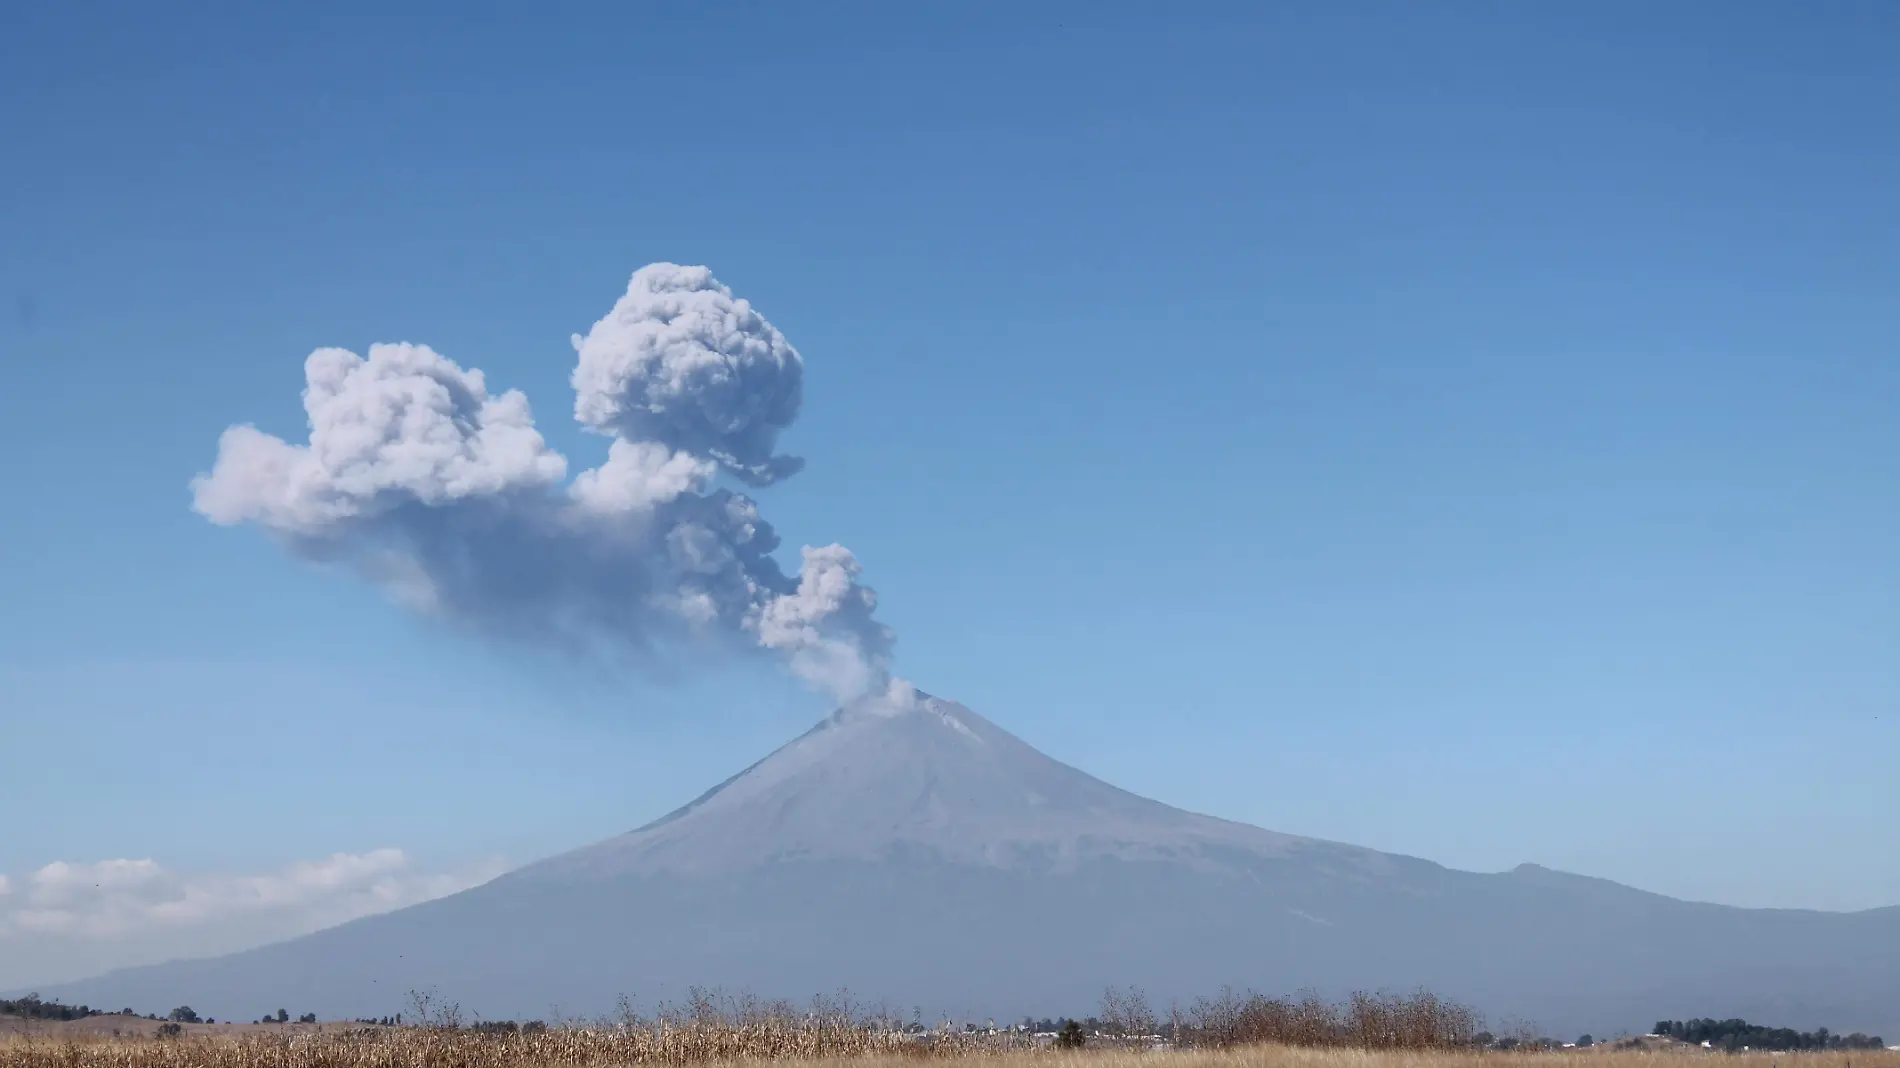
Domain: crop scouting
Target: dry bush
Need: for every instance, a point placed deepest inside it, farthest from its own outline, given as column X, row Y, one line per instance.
column 1420, row 1021
column 1126, row 1013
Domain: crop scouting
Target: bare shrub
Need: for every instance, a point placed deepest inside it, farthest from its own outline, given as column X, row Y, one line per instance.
column 1125, row 1013
column 1381, row 1021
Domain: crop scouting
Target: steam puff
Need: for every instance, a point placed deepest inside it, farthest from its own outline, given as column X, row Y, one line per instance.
column 806, row 624
column 451, row 500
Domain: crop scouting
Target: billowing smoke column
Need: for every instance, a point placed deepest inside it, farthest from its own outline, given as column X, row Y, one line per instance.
column 447, row 496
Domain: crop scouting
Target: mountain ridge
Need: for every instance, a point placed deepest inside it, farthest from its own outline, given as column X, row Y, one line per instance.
column 925, row 855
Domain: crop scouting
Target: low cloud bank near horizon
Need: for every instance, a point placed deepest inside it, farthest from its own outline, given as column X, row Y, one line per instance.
column 445, row 494
column 70, row 920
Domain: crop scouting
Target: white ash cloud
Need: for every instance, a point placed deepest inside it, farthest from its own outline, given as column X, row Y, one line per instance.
column 404, row 425
column 449, row 498
column 683, row 363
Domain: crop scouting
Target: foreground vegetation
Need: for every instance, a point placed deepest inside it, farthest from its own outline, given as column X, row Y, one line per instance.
column 1228, row 1031
column 586, row 1049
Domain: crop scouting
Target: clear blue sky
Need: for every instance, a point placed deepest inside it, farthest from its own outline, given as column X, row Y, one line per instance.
column 1467, row 430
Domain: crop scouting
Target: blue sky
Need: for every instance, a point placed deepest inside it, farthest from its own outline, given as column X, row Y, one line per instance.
column 1468, row 432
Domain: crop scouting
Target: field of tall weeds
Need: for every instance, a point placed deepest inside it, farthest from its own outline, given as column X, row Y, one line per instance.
column 420, row 1048
column 1228, row 1031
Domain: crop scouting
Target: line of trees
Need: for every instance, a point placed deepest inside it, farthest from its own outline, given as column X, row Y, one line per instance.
column 1049, row 1025
column 282, row 1016
column 33, row 1008
column 510, row 1027
column 1733, row 1035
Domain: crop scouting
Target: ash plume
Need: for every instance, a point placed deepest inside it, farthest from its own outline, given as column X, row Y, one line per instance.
column 444, row 494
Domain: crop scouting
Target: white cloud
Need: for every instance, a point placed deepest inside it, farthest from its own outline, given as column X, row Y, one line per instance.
column 68, row 920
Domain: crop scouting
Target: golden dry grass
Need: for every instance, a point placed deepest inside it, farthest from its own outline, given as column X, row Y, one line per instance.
column 445, row 1048
column 1598, row 1057
column 815, row 1046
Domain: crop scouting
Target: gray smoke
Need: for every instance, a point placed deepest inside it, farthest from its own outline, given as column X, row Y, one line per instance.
column 680, row 363
column 448, row 497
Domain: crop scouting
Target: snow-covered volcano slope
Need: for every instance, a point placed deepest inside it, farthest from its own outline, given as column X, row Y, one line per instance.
column 926, row 857
column 934, row 779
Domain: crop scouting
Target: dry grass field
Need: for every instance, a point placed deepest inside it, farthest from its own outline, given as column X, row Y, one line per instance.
column 343, row 1046
column 583, row 1049
column 710, row 1030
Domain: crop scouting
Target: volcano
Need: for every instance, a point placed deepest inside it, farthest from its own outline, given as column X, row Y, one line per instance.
column 922, row 856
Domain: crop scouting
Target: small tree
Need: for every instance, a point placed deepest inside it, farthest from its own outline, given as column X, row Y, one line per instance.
column 1127, row 1013
column 1070, row 1036
column 183, row 1014
column 429, row 1010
